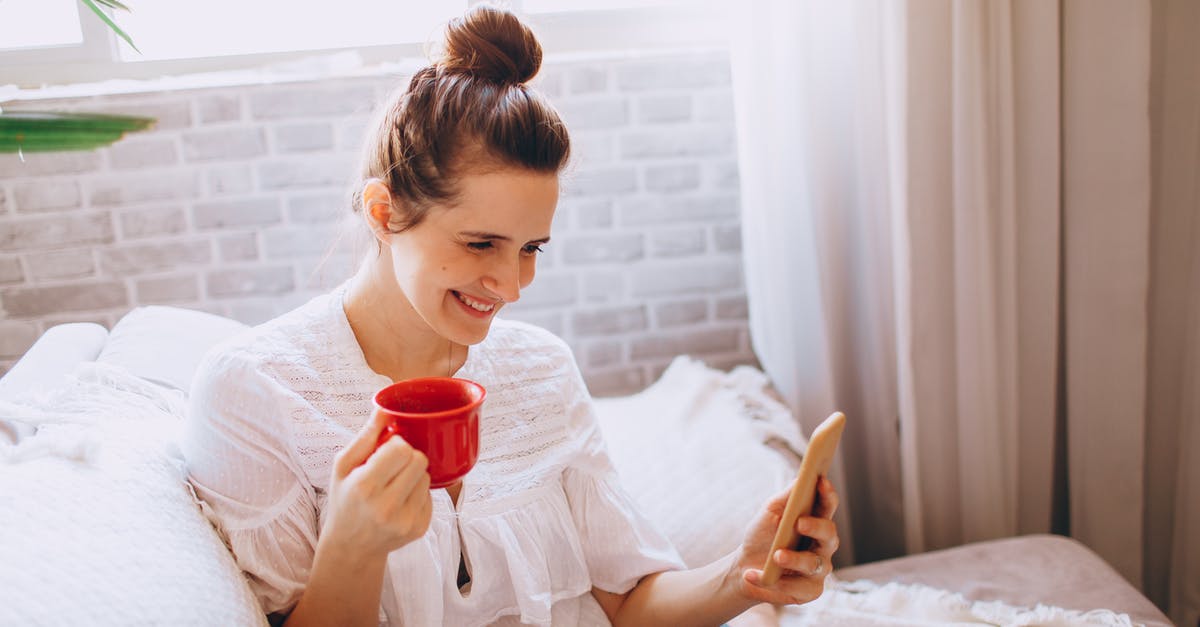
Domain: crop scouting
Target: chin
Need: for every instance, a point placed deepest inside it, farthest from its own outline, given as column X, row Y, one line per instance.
column 469, row 335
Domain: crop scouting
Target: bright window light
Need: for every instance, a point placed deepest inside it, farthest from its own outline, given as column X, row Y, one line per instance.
column 554, row 6
column 174, row 29
column 39, row 24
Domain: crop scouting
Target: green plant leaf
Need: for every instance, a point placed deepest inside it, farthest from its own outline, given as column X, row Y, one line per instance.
column 91, row 4
column 30, row 131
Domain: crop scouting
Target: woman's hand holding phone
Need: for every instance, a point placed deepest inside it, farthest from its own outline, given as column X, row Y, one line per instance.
column 788, row 550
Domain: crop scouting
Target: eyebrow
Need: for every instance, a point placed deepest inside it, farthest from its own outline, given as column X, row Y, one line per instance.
column 495, row 236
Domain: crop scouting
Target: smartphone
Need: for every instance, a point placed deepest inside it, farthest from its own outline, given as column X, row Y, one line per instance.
column 816, row 461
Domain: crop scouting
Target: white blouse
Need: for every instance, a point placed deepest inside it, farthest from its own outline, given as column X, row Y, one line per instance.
column 541, row 519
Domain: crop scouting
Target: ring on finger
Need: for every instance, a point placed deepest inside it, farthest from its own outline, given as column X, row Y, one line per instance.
column 820, row 565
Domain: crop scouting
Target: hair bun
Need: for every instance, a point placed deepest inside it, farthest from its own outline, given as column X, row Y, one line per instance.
column 493, row 44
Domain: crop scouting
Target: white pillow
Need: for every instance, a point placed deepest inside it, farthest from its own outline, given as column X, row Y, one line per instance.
column 99, row 525
column 702, row 451
column 140, row 340
column 54, row 355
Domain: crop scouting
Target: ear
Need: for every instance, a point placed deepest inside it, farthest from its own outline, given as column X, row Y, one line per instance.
column 377, row 207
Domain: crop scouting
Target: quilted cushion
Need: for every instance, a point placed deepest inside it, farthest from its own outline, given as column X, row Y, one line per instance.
column 99, row 526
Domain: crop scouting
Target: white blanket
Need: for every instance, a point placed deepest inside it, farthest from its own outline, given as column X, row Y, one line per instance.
column 868, row 604
column 99, row 526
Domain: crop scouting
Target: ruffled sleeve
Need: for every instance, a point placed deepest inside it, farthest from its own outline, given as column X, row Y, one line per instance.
column 620, row 545
column 238, row 446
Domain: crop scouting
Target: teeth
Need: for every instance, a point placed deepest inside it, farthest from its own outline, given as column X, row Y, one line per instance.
column 473, row 304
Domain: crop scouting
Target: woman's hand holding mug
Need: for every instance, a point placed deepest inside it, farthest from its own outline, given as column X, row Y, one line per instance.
column 378, row 499
column 423, row 434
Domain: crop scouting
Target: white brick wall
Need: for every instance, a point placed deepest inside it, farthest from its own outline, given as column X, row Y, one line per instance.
column 231, row 203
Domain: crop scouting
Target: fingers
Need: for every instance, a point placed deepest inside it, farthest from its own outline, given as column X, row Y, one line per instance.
column 392, row 457
column 804, row 571
column 822, row 531
column 407, row 479
column 410, row 491
column 789, row 590
column 827, row 499
column 804, row 563
column 361, row 447
column 420, row 502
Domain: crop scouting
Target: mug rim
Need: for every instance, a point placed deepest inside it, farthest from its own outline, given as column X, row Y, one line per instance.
column 445, row 413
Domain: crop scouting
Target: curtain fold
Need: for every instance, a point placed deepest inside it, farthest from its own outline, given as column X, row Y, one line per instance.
column 979, row 225
column 796, row 318
column 1172, row 515
column 962, row 228
column 1106, row 214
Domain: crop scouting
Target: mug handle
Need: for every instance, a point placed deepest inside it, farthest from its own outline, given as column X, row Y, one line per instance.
column 385, row 435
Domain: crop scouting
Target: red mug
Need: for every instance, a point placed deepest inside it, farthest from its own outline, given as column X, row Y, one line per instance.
column 438, row 416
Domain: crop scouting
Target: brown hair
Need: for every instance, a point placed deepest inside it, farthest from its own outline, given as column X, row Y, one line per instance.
column 471, row 108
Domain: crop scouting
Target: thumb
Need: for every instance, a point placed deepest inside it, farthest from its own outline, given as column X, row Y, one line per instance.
column 361, row 447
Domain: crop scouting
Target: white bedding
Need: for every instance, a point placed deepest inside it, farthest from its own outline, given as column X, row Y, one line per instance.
column 868, row 604
column 693, row 447
column 99, row 526
column 701, row 451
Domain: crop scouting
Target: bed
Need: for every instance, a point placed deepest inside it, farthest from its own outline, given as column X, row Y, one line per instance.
column 101, row 528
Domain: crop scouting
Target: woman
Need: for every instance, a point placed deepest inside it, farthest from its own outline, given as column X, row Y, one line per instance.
column 459, row 187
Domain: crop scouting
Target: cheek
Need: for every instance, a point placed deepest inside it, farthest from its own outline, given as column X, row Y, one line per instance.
column 528, row 269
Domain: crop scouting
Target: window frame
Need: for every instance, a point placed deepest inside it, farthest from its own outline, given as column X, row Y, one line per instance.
column 561, row 33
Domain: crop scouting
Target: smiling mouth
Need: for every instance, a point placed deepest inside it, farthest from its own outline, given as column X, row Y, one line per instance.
column 479, row 306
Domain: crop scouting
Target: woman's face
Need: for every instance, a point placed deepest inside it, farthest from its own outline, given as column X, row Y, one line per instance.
column 466, row 260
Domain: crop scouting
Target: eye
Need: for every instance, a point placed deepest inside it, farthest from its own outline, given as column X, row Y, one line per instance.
column 532, row 249
column 479, row 245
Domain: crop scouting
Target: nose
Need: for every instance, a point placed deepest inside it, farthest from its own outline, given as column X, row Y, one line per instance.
column 504, row 280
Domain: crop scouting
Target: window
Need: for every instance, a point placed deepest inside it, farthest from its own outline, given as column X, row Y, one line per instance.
column 39, row 24
column 59, row 42
column 548, row 6
column 182, row 30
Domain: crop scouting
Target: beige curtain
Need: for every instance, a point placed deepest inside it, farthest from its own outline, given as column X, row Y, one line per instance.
column 1171, row 536
column 973, row 227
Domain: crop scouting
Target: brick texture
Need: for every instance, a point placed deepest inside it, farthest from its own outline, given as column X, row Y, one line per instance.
column 136, row 259
column 219, row 108
column 232, row 201
column 48, row 195
column 10, row 270
column 72, row 263
column 142, row 223
column 16, row 336
column 237, row 213
column 55, row 232
column 136, row 153
column 251, row 281
column 177, row 288
column 609, row 320
column 22, row 302
column 224, row 144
